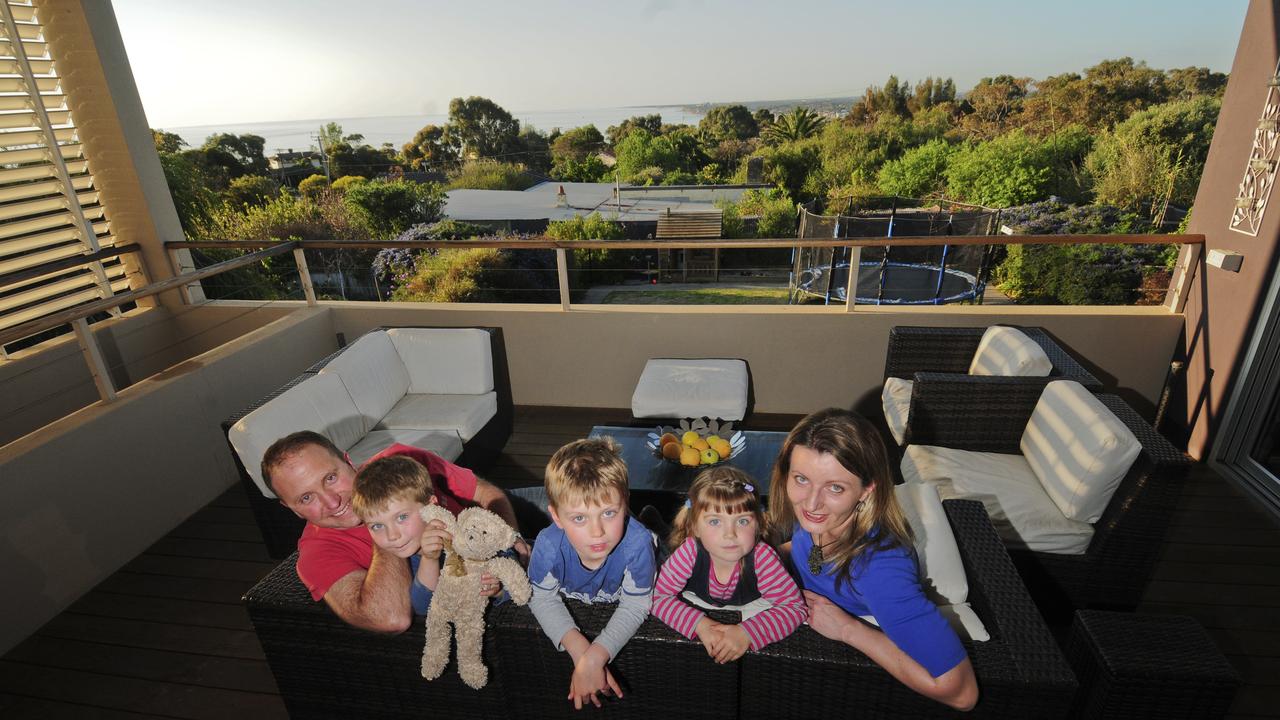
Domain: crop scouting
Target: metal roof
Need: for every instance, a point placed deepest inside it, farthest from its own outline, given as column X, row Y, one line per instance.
column 541, row 202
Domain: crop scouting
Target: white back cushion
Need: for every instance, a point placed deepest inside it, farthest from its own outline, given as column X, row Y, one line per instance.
column 449, row 361
column 374, row 376
column 1020, row 510
column 320, row 403
column 895, row 398
column 1008, row 351
column 941, row 570
column 1078, row 449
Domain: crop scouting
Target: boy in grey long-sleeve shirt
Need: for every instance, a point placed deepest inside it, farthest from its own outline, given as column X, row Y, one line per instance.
column 594, row 552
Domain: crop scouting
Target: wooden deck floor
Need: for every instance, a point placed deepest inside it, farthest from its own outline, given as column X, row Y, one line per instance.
column 166, row 636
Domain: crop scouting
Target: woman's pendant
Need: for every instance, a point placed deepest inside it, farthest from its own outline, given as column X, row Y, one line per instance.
column 815, row 559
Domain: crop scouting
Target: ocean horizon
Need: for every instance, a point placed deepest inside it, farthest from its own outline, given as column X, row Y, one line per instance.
column 282, row 135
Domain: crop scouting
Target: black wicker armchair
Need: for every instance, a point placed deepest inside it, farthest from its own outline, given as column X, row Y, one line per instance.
column 989, row 414
column 324, row 668
column 281, row 528
column 916, row 350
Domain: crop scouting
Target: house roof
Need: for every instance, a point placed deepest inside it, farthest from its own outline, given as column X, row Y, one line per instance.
column 541, row 202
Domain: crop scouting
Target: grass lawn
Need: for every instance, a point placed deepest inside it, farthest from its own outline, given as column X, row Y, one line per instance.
column 701, row 296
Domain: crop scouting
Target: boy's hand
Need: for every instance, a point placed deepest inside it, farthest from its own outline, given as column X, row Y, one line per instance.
column 434, row 538
column 591, row 677
column 490, row 586
column 734, row 643
column 708, row 631
column 522, row 552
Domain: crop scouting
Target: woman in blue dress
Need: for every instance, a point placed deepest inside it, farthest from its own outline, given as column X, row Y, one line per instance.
column 833, row 505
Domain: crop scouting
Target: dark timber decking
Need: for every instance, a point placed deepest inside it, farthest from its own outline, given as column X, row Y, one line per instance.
column 166, row 636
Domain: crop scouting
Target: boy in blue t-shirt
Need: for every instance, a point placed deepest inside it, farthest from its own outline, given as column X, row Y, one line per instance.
column 594, row 552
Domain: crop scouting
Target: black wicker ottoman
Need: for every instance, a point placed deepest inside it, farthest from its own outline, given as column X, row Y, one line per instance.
column 1147, row 666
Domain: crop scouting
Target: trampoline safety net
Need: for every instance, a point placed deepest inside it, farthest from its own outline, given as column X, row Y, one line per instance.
column 891, row 275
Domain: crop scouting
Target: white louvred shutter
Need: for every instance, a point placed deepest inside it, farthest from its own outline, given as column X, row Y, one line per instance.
column 50, row 209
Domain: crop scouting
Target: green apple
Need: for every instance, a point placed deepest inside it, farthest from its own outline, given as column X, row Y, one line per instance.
column 710, row 457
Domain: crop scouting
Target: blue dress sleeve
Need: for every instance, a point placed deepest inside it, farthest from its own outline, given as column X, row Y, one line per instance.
column 889, row 583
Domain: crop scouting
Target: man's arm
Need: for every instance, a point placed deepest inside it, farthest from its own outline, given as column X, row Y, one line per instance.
column 492, row 498
column 376, row 599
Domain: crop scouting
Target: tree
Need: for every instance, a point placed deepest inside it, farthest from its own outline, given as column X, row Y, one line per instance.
column 490, row 175
column 1155, row 157
column 237, row 154
column 167, row 141
column 589, row 169
column 312, row 186
column 989, row 108
column 876, row 101
column 763, row 117
column 650, row 123
column 331, row 137
column 483, row 128
column 389, row 207
column 931, row 92
column 535, row 150
column 640, row 149
column 919, row 172
column 250, row 190
column 1002, row 172
column 576, row 144
column 727, row 122
column 433, row 148
column 363, row 160
column 189, row 186
column 799, row 124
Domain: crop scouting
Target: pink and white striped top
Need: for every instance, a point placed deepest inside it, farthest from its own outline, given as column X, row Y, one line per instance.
column 787, row 609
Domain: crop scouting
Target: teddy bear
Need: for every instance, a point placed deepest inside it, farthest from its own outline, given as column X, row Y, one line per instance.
column 478, row 535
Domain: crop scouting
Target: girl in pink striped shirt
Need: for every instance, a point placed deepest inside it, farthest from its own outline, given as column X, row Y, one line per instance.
column 719, row 562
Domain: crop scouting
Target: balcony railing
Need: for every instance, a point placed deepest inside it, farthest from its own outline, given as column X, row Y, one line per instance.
column 184, row 276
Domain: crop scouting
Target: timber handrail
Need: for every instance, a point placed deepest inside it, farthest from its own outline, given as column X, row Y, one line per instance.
column 723, row 244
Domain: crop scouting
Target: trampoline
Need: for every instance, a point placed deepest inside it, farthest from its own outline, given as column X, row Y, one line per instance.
column 896, row 275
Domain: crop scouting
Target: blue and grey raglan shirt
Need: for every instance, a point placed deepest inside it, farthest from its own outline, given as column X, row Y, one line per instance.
column 626, row 577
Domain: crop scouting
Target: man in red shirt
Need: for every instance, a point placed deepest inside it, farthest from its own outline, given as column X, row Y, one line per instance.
column 364, row 585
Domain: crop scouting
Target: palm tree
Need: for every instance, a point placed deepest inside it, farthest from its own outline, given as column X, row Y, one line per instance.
column 798, row 124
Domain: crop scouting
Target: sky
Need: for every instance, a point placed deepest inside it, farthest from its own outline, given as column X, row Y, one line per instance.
column 240, row 61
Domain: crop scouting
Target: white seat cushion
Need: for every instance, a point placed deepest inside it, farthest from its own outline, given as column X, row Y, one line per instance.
column 1008, row 351
column 896, row 401
column 1022, row 513
column 373, row 373
column 444, row 443
column 671, row 388
column 466, row 414
column 445, row 361
column 1078, row 449
column 319, row 403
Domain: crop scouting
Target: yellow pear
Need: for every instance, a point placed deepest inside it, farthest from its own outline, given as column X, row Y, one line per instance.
column 689, row 457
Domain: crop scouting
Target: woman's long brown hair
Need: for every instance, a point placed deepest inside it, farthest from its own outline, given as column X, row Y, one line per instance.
column 858, row 447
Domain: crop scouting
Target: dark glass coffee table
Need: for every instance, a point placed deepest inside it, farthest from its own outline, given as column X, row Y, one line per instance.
column 649, row 472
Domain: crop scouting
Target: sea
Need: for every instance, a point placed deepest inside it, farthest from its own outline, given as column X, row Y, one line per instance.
column 286, row 135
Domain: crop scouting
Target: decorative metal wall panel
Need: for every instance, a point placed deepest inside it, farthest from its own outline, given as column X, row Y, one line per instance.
column 1260, row 171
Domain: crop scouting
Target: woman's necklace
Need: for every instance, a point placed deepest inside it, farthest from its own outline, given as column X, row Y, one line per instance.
column 815, row 557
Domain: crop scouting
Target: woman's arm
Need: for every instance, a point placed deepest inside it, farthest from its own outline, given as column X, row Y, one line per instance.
column 957, row 687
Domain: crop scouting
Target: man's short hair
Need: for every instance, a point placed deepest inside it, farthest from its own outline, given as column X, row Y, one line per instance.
column 290, row 444
column 589, row 471
column 388, row 479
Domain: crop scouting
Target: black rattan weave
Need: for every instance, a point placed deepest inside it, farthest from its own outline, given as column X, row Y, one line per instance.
column 989, row 416
column 326, row 668
column 951, row 349
column 1148, row 666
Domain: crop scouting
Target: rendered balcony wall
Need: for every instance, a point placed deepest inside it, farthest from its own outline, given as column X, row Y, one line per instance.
column 91, row 491
column 801, row 359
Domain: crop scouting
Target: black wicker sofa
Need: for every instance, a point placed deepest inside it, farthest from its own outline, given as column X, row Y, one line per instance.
column 281, row 528
column 326, row 669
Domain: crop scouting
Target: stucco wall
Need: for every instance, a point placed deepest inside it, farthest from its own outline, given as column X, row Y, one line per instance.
column 801, row 359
